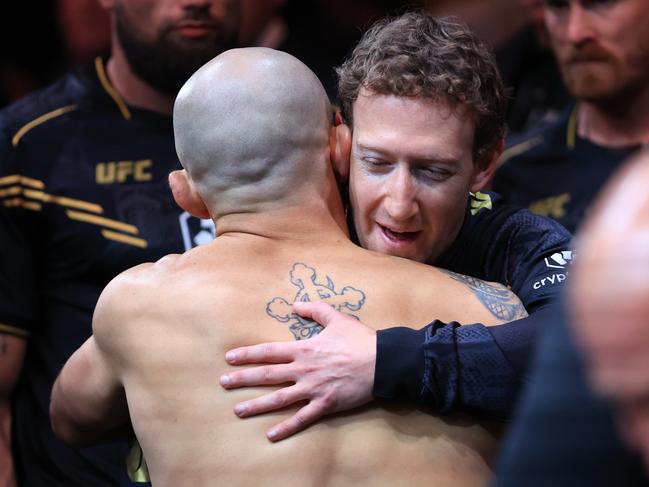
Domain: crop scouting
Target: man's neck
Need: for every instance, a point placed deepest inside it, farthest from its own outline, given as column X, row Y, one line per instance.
column 305, row 223
column 621, row 124
column 135, row 91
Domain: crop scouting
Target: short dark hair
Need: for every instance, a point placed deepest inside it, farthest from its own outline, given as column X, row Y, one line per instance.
column 418, row 55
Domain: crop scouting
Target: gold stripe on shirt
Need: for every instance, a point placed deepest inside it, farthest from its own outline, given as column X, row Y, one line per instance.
column 100, row 220
column 25, row 181
column 12, row 330
column 10, row 191
column 126, row 239
column 63, row 201
column 39, row 120
column 110, row 89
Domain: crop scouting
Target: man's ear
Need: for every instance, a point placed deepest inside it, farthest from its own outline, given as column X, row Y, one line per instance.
column 484, row 170
column 340, row 147
column 186, row 195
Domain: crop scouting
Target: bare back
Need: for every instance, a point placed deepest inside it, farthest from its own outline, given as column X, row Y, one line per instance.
column 185, row 311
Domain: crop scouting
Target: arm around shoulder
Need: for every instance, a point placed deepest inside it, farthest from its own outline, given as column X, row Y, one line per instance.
column 88, row 403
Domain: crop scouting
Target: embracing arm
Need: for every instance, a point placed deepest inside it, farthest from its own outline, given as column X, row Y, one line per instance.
column 88, row 403
column 333, row 370
column 442, row 367
column 445, row 367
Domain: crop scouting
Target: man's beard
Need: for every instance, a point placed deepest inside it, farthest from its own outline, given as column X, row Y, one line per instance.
column 594, row 75
column 168, row 61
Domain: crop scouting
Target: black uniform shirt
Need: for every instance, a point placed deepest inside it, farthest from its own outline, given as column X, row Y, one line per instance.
column 556, row 173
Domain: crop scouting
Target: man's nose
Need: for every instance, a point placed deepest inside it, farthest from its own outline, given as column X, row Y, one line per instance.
column 401, row 197
column 580, row 27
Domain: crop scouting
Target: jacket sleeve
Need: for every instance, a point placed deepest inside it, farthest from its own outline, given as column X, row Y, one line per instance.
column 445, row 367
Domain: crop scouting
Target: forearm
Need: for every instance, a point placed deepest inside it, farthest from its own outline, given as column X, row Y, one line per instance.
column 447, row 367
column 79, row 428
column 88, row 405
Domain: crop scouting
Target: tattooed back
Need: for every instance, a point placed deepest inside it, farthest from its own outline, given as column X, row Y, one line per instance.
column 166, row 327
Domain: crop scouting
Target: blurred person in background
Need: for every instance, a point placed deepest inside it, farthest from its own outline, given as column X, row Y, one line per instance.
column 529, row 70
column 602, row 48
column 591, row 371
column 84, row 27
column 321, row 33
column 262, row 23
column 611, row 286
column 516, row 31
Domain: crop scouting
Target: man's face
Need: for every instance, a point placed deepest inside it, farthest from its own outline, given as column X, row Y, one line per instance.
column 411, row 170
column 165, row 41
column 602, row 46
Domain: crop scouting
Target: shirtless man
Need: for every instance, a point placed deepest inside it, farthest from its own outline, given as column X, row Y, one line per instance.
column 160, row 330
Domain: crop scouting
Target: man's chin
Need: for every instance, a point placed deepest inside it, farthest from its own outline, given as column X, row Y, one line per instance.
column 592, row 84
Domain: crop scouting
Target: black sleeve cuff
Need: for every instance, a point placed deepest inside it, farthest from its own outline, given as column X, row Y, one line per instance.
column 445, row 367
column 399, row 363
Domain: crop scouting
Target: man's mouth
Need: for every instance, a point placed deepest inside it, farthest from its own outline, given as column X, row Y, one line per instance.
column 588, row 55
column 585, row 60
column 194, row 29
column 397, row 236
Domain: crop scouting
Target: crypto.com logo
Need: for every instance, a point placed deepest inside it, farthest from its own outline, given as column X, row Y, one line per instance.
column 559, row 260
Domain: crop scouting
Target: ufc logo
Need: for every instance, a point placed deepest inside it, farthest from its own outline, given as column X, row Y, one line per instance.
column 121, row 171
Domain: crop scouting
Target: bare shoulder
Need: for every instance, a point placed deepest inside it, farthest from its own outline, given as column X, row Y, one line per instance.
column 490, row 302
column 128, row 297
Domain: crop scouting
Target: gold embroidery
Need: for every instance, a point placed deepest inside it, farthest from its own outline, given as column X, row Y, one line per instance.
column 554, row 206
column 119, row 237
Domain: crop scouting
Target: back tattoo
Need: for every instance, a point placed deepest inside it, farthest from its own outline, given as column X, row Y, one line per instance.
column 304, row 278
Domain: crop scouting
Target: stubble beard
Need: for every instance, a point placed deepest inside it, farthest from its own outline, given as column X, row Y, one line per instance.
column 166, row 62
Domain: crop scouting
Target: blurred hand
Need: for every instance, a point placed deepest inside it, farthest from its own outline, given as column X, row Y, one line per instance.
column 333, row 371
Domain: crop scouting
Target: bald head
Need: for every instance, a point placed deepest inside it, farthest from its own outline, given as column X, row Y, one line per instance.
column 251, row 129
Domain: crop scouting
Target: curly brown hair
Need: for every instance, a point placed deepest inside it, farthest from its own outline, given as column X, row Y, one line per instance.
column 418, row 55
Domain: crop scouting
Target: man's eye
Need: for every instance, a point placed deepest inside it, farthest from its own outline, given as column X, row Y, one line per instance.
column 373, row 162
column 433, row 173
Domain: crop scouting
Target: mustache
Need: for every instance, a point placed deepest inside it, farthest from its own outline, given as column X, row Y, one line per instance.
column 588, row 52
column 196, row 15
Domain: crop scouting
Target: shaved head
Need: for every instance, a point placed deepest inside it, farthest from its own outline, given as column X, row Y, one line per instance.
column 252, row 130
